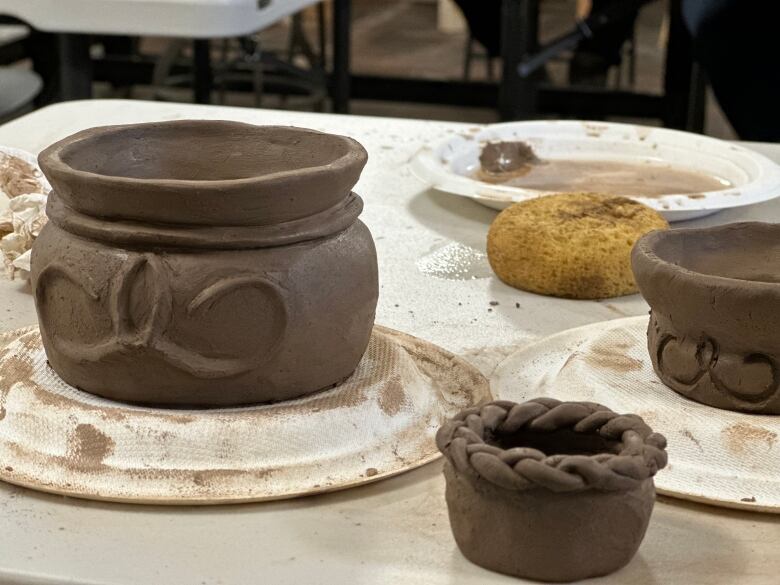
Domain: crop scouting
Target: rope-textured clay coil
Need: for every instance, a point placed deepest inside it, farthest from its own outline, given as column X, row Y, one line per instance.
column 639, row 452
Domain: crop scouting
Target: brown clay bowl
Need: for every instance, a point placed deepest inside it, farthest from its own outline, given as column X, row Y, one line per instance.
column 714, row 295
column 203, row 172
column 549, row 490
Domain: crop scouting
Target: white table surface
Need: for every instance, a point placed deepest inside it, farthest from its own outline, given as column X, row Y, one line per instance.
column 394, row 531
column 170, row 18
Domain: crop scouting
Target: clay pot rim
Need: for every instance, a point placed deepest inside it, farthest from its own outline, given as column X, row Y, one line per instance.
column 51, row 158
column 645, row 250
column 462, row 441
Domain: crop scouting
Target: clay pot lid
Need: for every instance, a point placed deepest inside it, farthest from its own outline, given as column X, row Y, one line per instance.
column 203, row 172
column 471, row 442
column 740, row 257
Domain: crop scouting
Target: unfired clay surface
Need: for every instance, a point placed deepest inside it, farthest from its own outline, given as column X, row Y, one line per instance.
column 549, row 490
column 715, row 300
column 204, row 262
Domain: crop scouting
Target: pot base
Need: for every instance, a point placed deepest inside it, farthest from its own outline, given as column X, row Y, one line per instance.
column 701, row 370
column 536, row 534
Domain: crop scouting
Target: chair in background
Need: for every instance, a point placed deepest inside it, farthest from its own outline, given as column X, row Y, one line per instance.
column 18, row 90
column 484, row 25
column 18, row 86
column 298, row 70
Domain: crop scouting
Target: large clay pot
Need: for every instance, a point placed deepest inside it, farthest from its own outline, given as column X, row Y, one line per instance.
column 549, row 490
column 204, row 262
column 715, row 300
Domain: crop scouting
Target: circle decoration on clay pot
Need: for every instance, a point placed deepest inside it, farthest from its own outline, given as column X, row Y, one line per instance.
column 714, row 295
column 207, row 263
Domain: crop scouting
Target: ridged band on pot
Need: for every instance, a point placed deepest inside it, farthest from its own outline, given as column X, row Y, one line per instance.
column 714, row 295
column 142, row 298
column 517, row 509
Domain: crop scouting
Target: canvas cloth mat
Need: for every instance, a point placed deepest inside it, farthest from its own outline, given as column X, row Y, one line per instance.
column 716, row 456
column 378, row 423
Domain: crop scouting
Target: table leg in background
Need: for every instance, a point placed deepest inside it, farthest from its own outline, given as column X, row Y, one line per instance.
column 74, row 67
column 517, row 96
column 203, row 80
column 342, row 22
column 684, row 84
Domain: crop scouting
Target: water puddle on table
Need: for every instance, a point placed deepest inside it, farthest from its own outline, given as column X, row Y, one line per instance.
column 455, row 261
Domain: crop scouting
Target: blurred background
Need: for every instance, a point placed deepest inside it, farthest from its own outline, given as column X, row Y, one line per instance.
column 481, row 61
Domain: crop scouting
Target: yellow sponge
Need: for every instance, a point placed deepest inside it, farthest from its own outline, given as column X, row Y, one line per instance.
column 573, row 245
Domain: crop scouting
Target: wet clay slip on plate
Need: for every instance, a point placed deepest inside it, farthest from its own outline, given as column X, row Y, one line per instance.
column 738, row 175
column 378, row 423
column 717, row 456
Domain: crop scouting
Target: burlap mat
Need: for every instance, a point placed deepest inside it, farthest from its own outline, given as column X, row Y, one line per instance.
column 715, row 456
column 378, row 423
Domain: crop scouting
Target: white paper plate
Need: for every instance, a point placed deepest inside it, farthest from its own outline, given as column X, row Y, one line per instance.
column 379, row 422
column 716, row 456
column 448, row 166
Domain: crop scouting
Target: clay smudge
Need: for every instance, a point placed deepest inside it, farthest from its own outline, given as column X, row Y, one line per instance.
column 88, row 447
column 688, row 435
column 467, row 385
column 614, row 309
column 205, row 477
column 352, row 391
column 742, row 436
column 650, row 417
column 392, row 397
column 49, row 398
column 182, row 419
column 19, row 368
column 610, row 354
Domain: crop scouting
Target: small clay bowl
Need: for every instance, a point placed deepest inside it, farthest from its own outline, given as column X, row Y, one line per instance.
column 714, row 295
column 549, row 490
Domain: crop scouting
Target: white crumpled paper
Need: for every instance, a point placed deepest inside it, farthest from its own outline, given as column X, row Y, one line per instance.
column 20, row 224
column 23, row 190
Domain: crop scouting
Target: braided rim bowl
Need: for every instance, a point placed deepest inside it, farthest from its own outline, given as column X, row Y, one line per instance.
column 510, row 445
